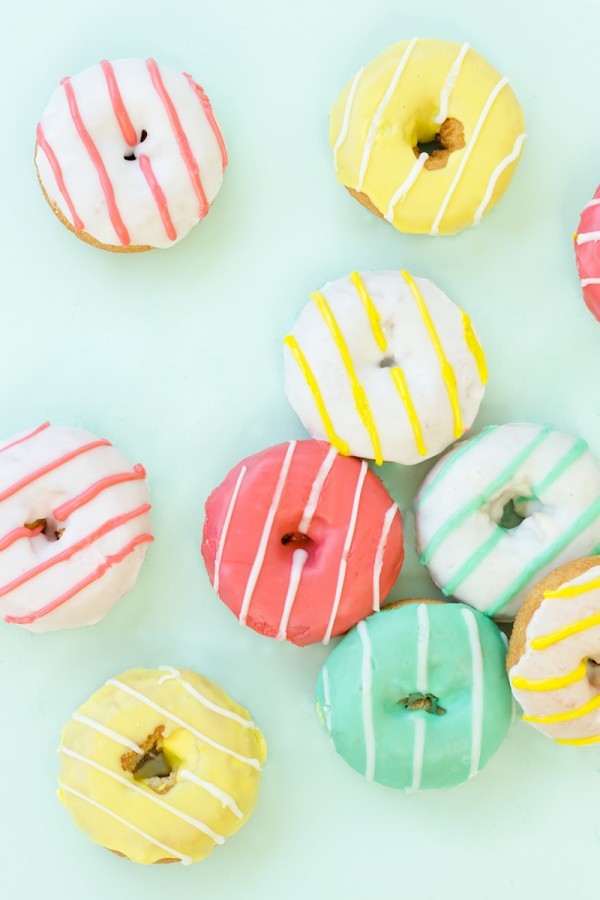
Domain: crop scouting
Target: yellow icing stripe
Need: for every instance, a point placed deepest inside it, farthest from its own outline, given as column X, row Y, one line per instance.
column 447, row 370
column 550, row 684
column 574, row 590
column 402, row 388
column 361, row 400
column 374, row 317
column 588, row 707
column 313, row 385
column 475, row 348
column 547, row 640
column 580, row 742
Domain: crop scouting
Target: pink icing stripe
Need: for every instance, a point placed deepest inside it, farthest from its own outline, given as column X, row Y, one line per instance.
column 94, row 155
column 95, row 576
column 58, row 176
column 17, row 534
column 55, row 464
column 180, row 136
column 61, row 513
column 121, row 114
column 159, row 196
column 109, row 526
column 208, row 112
column 25, row 437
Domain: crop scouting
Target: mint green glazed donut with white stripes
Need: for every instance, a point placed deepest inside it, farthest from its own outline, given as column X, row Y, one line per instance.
column 417, row 696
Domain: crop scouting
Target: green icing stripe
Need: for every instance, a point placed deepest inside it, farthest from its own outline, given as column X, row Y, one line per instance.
column 571, row 456
column 474, row 560
column 459, row 517
column 452, row 458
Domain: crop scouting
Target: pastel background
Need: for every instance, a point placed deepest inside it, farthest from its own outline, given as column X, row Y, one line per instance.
column 176, row 357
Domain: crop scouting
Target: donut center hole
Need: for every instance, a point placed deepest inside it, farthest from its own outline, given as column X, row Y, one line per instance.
column 510, row 518
column 296, row 540
column 427, row 702
column 131, row 155
column 151, row 766
column 387, row 362
column 593, row 673
column 49, row 527
column 440, row 144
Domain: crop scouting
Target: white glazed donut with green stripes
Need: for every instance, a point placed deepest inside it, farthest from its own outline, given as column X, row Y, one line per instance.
column 463, row 536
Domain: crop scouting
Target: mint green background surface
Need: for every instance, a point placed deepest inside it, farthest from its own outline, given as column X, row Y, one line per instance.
column 176, row 357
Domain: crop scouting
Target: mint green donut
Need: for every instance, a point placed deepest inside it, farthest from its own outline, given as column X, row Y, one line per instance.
column 417, row 695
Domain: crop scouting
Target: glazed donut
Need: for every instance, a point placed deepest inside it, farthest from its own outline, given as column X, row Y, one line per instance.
column 160, row 765
column 384, row 366
column 554, row 655
column 427, row 136
column 74, row 527
column 301, row 543
column 587, row 254
column 475, row 546
column 417, row 697
column 129, row 155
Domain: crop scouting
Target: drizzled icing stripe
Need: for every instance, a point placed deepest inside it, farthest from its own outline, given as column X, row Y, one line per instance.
column 224, row 799
column 210, row 116
column 186, row 860
column 367, row 701
column 555, row 637
column 51, row 466
column 346, row 550
column 78, row 224
column 576, row 450
column 361, row 401
column 568, row 716
column 587, row 237
column 26, row 437
column 62, row 512
column 176, row 675
column 467, row 153
column 472, row 563
column 550, row 684
column 449, row 83
column 346, row 120
column 475, row 348
column 401, row 192
column 158, row 194
column 504, row 164
column 379, row 554
column 449, row 462
column 299, row 560
column 585, row 282
column 579, row 742
column 371, row 310
column 225, row 530
column 421, row 684
column 477, row 692
column 266, row 532
column 92, row 150
column 400, row 383
column 121, row 114
column 18, row 534
column 107, row 732
column 316, row 489
column 594, row 202
column 377, row 117
column 574, row 590
column 313, row 385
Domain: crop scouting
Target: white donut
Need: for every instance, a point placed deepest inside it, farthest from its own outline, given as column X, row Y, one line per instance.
column 554, row 483
column 74, row 527
column 385, row 367
column 129, row 154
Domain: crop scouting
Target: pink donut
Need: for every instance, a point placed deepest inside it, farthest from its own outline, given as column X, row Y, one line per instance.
column 302, row 543
column 587, row 252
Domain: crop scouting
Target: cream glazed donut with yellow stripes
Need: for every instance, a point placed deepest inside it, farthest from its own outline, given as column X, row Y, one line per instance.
column 384, row 366
column 554, row 654
column 427, row 135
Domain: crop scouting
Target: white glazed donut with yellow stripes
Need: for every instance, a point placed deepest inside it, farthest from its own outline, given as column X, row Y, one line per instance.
column 427, row 135
column 384, row 366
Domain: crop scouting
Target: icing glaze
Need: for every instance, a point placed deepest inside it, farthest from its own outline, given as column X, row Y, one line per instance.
column 342, row 547
column 214, row 750
column 431, row 656
column 554, row 483
column 384, row 366
column 587, row 256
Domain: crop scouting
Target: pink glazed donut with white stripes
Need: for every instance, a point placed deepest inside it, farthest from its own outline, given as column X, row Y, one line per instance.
column 129, row 155
column 74, row 527
column 302, row 543
column 587, row 253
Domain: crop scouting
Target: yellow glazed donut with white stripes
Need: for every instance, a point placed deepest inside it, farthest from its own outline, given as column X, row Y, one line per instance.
column 427, row 135
column 554, row 655
column 160, row 765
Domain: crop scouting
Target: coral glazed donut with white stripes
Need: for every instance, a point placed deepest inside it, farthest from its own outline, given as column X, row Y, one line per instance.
column 428, row 136
column 301, row 543
column 587, row 253
column 417, row 697
column 129, row 154
column 74, row 527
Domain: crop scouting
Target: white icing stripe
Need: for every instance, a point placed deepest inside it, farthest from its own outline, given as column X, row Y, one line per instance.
column 378, row 565
column 326, row 699
column 226, row 523
column 214, row 707
column 421, row 682
column 346, row 120
column 108, row 732
column 129, row 690
column 512, row 156
column 406, row 185
column 266, row 532
column 586, row 281
column 586, row 237
column 315, row 491
column 418, row 753
column 375, row 121
column 347, row 544
column 299, row 558
column 467, row 153
column 449, row 83
column 477, row 694
column 152, row 797
column 186, row 860
column 594, row 202
column 224, row 799
column 367, row 700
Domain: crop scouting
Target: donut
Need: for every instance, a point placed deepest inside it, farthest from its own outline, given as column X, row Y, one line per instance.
column 384, row 366
column 74, row 527
column 427, row 136
column 502, row 509
column 301, row 543
column 417, row 697
column 160, row 765
column 554, row 655
column 587, row 254
column 129, row 155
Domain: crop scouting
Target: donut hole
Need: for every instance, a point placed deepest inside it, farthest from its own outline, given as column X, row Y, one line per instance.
column 510, row 517
column 387, row 362
column 438, row 145
column 510, row 508
column 152, row 766
column 296, row 540
column 48, row 527
column 428, row 703
column 593, row 673
column 130, row 157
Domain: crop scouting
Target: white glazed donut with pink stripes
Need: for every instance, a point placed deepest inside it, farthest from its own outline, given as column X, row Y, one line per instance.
column 74, row 527
column 130, row 154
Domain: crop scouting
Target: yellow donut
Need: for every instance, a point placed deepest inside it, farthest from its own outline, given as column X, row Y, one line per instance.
column 427, row 135
column 160, row 765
